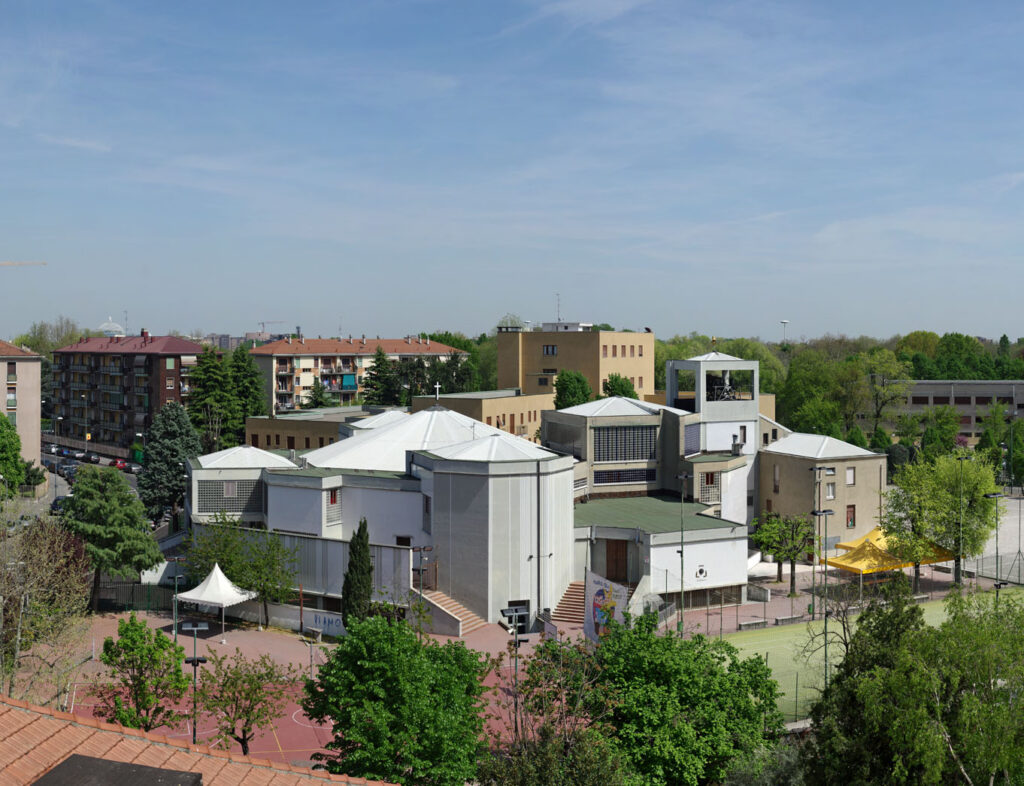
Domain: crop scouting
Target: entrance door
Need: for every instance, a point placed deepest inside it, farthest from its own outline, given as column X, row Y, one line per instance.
column 615, row 560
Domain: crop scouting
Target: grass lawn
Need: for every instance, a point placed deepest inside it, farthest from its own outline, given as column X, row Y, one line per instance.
column 800, row 680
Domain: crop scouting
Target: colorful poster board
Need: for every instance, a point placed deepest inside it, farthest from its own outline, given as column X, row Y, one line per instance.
column 604, row 601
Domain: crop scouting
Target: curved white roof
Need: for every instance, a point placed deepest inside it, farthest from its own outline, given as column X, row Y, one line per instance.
column 816, row 446
column 243, row 457
column 496, row 447
column 714, row 356
column 384, row 448
column 380, row 419
column 617, row 406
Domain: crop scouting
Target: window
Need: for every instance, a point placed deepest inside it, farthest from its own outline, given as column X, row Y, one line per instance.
column 768, row 506
column 625, row 443
column 640, row 386
column 170, row 364
column 710, row 488
column 291, row 443
column 764, row 438
column 851, row 476
column 230, row 489
column 775, row 479
column 607, row 476
column 940, row 400
column 983, row 400
column 170, row 383
column 277, row 440
column 775, row 434
column 623, row 350
column 426, row 506
column 632, row 381
column 267, row 443
column 919, row 400
column 851, row 516
column 830, row 471
column 641, row 350
column 615, row 351
column 743, row 434
column 307, row 442
column 632, row 350
column 321, row 441
column 333, row 512
column 332, row 497
column 709, row 478
column 542, row 382
column 604, row 350
column 961, row 400
column 550, row 349
column 830, row 491
column 12, row 371
column 488, row 420
column 403, row 540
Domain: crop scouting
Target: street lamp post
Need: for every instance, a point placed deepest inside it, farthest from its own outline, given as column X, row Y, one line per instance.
column 819, row 514
column 814, row 568
column 996, row 496
column 195, row 661
column 682, row 554
column 958, row 578
column 513, row 614
column 177, row 561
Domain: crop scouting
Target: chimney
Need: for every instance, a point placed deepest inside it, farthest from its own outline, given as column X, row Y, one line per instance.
column 408, row 339
column 737, row 446
column 289, row 339
column 302, row 340
column 428, row 342
column 145, row 335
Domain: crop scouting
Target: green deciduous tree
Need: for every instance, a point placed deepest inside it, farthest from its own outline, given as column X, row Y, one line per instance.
column 11, row 465
column 381, row 382
column 400, row 710
column 147, row 677
column 687, row 707
column 171, row 443
column 910, row 520
column 571, row 388
column 618, row 385
column 888, row 383
column 959, row 489
column 244, row 695
column 880, row 440
column 786, row 538
column 357, row 586
column 111, row 522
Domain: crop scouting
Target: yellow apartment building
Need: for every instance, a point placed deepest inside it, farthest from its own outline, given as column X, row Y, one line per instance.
column 22, row 403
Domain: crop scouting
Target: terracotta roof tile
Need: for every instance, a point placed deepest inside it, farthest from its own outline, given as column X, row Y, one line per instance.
column 9, row 350
column 34, row 740
column 134, row 345
column 353, row 346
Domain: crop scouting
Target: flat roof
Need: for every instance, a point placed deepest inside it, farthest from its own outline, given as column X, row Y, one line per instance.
column 706, row 458
column 654, row 514
column 503, row 393
column 330, row 472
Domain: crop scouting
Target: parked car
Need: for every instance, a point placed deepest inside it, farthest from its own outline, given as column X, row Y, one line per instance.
column 120, row 464
column 70, row 472
column 133, row 468
column 49, row 463
column 64, row 465
column 76, row 453
column 51, row 449
column 92, row 457
column 58, row 504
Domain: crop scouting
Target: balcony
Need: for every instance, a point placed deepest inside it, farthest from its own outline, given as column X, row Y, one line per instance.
column 12, row 377
column 112, row 406
column 12, row 403
column 82, row 367
column 285, row 370
column 80, row 385
column 110, row 388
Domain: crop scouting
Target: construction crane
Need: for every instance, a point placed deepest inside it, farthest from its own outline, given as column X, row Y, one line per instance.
column 263, row 324
column 20, row 264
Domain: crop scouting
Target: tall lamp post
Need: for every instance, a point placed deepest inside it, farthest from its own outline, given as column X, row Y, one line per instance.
column 958, row 578
column 513, row 614
column 814, row 568
column 996, row 496
column 682, row 546
column 195, row 661
column 819, row 514
column 177, row 561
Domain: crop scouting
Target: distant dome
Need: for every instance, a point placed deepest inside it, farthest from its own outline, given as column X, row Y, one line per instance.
column 110, row 328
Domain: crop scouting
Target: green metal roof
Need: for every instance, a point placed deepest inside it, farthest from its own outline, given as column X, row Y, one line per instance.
column 651, row 514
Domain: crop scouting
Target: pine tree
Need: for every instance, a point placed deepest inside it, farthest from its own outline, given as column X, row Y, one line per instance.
column 248, row 386
column 319, row 397
column 381, row 382
column 213, row 406
column 357, row 588
column 170, row 443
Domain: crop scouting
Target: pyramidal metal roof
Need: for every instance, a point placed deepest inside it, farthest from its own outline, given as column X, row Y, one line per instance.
column 714, row 356
column 243, row 457
column 816, row 446
column 380, row 419
column 618, row 406
column 385, row 448
column 495, row 447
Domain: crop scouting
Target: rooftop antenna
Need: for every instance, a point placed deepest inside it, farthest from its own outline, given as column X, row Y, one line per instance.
column 558, row 306
column 126, row 323
column 784, row 322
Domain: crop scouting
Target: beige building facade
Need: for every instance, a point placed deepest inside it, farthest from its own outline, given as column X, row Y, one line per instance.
column 508, row 410
column 532, row 360
column 804, row 472
column 972, row 398
column 23, row 401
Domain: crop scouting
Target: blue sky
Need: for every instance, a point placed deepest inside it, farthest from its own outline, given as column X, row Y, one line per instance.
column 390, row 167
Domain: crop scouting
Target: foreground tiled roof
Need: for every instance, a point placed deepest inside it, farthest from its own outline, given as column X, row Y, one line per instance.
column 9, row 350
column 135, row 345
column 34, row 740
column 353, row 346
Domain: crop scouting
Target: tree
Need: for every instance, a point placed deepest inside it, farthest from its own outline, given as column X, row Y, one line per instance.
column 319, row 397
column 357, row 586
column 571, row 388
column 171, row 443
column 941, row 427
column 687, row 707
column 787, row 539
column 618, row 385
column 11, row 465
column 888, row 382
column 910, row 519
column 811, row 376
column 561, row 734
column 400, row 710
column 381, row 382
column 965, row 517
column 111, row 522
column 253, row 559
column 818, row 416
column 148, row 678
column 244, row 695
column 855, row 436
column 880, row 440
column 248, row 386
column 213, row 405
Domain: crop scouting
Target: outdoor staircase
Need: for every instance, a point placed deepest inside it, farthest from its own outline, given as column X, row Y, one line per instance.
column 572, row 605
column 470, row 621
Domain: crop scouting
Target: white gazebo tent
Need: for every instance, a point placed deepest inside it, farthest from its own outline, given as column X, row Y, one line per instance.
column 216, row 590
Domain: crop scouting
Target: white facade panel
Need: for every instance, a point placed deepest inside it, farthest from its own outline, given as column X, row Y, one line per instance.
column 389, row 514
column 717, row 563
column 718, row 436
column 296, row 510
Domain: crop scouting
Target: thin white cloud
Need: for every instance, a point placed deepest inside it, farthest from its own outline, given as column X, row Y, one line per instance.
column 78, row 144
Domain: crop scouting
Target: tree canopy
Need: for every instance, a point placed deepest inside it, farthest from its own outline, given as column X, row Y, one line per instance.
column 618, row 385
column 213, row 405
column 171, row 442
column 571, row 388
column 11, row 465
column 357, row 585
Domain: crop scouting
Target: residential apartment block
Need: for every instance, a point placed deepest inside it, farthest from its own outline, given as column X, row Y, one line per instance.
column 532, row 360
column 971, row 397
column 107, row 389
column 21, row 405
column 290, row 366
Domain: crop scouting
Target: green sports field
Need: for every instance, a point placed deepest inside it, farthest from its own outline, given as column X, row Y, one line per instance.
column 800, row 680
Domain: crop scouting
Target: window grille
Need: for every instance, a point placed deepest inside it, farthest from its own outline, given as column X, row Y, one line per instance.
column 212, row 498
column 625, row 443
column 607, row 476
column 710, row 487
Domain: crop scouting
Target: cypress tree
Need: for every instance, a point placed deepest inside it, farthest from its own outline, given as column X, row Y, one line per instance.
column 357, row 589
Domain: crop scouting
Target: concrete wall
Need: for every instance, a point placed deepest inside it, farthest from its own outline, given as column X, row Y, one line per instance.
column 724, row 562
column 389, row 514
column 460, row 533
column 718, row 436
column 274, row 433
column 520, row 415
column 294, row 509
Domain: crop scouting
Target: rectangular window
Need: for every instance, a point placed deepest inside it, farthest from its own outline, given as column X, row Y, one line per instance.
column 277, row 440
column 851, row 516
column 550, row 349
column 962, row 400
column 743, row 435
column 919, row 400
column 615, row 351
column 542, row 382
column 775, row 434
column 830, row 491
column 604, row 350
column 321, row 441
column 488, row 420
column 307, row 442
column 623, row 350
column 983, row 400
column 709, row 478
column 170, row 364
column 626, row 443
column 830, row 471
column 632, row 381
column 937, row 400
column 267, row 443
column 170, row 383
column 764, row 439
column 775, row 479
column 332, row 497
column 12, row 371
column 851, row 476
column 641, row 385
column 230, row 489
column 291, row 443
column 609, row 476
column 768, row 506
column 632, row 350
column 641, row 348
column 403, row 540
